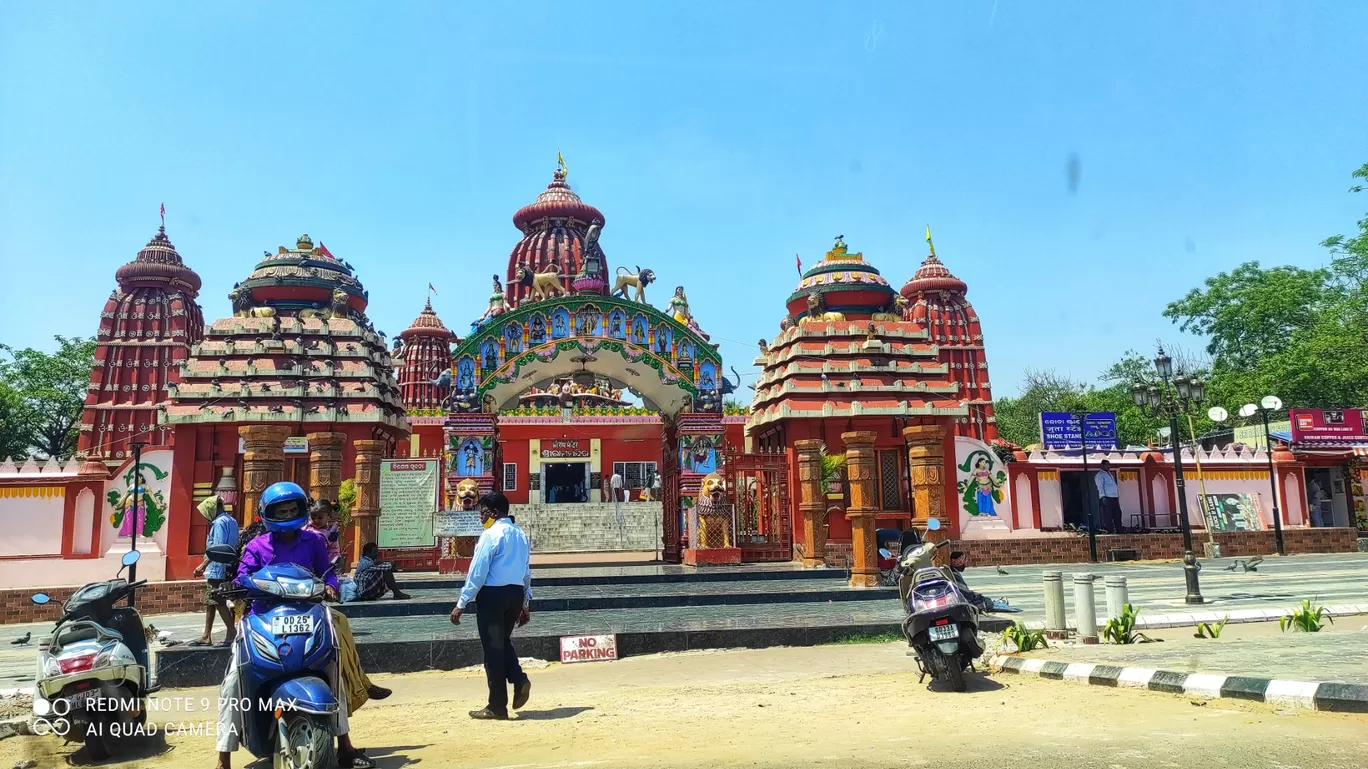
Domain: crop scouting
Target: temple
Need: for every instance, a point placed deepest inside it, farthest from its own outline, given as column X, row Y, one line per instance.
column 872, row 410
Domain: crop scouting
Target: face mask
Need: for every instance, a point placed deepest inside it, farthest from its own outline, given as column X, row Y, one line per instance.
column 489, row 522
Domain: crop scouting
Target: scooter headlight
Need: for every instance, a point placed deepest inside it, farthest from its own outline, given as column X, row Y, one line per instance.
column 268, row 586
column 297, row 588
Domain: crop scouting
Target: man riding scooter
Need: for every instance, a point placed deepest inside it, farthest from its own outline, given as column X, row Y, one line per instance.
column 284, row 512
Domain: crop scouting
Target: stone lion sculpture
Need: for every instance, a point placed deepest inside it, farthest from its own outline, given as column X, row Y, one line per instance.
column 817, row 310
column 241, row 299
column 542, row 285
column 714, row 519
column 896, row 310
column 467, row 494
column 638, row 280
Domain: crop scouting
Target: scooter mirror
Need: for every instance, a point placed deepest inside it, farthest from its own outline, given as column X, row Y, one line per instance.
column 884, row 553
column 933, row 524
column 221, row 554
column 130, row 558
column 40, row 598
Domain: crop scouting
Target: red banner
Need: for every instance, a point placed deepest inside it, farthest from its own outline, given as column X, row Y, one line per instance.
column 1327, row 424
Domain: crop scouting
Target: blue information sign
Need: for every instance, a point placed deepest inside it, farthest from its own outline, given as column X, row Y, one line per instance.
column 1060, row 430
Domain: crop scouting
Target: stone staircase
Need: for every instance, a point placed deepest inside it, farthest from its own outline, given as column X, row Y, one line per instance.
column 593, row 527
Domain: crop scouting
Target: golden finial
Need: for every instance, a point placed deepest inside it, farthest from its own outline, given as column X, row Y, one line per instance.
column 928, row 240
column 838, row 250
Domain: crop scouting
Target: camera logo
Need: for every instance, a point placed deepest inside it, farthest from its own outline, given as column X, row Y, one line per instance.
column 51, row 717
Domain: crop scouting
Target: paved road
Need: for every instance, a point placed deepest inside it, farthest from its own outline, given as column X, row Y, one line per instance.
column 815, row 707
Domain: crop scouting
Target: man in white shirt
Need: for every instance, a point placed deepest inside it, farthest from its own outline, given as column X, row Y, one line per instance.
column 655, row 488
column 1108, row 498
column 615, row 483
column 500, row 583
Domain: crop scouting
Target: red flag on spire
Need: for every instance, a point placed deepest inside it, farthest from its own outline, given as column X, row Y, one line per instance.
column 430, row 288
column 322, row 249
column 800, row 264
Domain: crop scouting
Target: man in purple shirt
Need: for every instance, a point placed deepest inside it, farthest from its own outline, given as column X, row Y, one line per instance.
column 284, row 511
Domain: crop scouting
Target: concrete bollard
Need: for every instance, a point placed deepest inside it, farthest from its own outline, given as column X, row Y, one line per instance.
column 1117, row 595
column 1085, row 608
column 1054, row 605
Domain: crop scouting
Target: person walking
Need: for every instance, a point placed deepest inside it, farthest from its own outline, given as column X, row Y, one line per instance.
column 1108, row 498
column 223, row 530
column 500, row 584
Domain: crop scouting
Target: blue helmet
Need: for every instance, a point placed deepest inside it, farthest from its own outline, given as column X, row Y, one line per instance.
column 274, row 514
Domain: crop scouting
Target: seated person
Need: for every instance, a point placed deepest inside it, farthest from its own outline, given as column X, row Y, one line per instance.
column 958, row 562
column 372, row 578
column 285, row 540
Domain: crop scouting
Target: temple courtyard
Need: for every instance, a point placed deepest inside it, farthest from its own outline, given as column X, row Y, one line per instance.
column 852, row 705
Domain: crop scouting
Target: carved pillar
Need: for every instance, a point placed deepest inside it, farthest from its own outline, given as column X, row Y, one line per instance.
column 860, row 475
column 926, row 459
column 366, row 513
column 325, row 464
column 810, row 502
column 263, row 463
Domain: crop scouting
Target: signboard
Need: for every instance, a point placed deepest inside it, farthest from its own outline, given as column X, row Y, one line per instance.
column 1253, row 435
column 588, row 648
column 1327, row 424
column 297, row 445
column 565, row 448
column 457, row 523
column 408, row 498
column 1232, row 512
column 1061, row 430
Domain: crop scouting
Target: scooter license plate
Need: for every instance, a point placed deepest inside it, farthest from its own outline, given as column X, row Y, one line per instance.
column 293, row 624
column 944, row 632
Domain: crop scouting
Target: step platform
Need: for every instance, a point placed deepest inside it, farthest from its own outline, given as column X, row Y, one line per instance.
column 652, row 609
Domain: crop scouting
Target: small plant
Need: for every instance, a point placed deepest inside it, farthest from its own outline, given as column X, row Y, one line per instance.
column 1207, row 630
column 1306, row 619
column 1024, row 638
column 346, row 500
column 1121, row 630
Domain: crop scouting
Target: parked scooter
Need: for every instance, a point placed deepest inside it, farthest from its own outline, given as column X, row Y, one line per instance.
column 286, row 655
column 94, row 672
column 942, row 622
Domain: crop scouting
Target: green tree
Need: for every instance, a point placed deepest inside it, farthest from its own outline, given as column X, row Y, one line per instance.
column 15, row 422
column 53, row 389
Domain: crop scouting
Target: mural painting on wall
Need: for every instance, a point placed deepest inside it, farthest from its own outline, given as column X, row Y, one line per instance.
column 639, row 330
column 981, row 476
column 150, row 514
column 698, row 454
column 469, row 457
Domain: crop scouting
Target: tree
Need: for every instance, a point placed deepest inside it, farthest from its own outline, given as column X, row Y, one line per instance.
column 1018, row 419
column 52, row 387
column 15, row 421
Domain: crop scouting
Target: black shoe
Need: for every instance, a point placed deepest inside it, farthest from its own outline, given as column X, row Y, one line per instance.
column 520, row 694
column 485, row 714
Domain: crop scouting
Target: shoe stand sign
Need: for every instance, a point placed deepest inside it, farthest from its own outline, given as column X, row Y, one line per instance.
column 588, row 648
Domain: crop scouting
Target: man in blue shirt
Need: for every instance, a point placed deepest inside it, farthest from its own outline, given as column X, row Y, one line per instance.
column 1108, row 499
column 223, row 530
column 500, row 583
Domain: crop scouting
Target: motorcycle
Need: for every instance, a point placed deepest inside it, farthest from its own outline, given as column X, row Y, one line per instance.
column 942, row 622
column 287, row 664
column 94, row 671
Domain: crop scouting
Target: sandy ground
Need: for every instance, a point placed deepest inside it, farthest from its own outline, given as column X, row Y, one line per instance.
column 828, row 706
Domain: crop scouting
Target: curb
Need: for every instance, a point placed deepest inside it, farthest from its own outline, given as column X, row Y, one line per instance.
column 1234, row 617
column 1312, row 695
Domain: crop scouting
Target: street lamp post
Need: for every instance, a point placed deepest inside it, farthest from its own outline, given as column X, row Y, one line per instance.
column 1169, row 398
column 1269, row 403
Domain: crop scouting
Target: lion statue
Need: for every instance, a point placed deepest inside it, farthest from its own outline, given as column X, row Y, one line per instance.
column 713, row 518
column 542, row 285
column 467, row 494
column 241, row 299
column 638, row 280
column 896, row 310
column 817, row 310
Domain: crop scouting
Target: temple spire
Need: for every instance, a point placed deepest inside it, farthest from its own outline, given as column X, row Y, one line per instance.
column 929, row 244
column 560, row 165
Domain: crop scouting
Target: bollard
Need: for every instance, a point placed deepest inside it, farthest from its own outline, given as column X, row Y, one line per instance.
column 1117, row 595
column 1054, row 605
column 1085, row 608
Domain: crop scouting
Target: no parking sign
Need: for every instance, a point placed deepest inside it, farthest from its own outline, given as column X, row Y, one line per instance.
column 588, row 648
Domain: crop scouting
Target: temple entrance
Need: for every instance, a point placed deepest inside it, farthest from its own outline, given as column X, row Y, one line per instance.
column 565, row 483
column 758, row 485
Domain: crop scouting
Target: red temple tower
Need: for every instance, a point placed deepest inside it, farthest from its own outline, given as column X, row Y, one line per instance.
column 146, row 331
column 423, row 353
column 936, row 301
column 555, row 231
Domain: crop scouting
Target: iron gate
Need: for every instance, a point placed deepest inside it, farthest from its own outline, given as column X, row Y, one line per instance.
column 758, row 486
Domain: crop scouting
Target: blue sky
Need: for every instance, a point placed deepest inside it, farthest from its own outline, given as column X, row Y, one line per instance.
column 717, row 140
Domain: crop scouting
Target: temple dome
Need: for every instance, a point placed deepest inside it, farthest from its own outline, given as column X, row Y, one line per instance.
column 158, row 264
column 845, row 283
column 427, row 324
column 303, row 277
column 555, row 231
column 933, row 276
column 557, row 201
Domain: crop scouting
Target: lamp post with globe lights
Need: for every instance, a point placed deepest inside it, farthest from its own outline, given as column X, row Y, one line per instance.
column 1169, row 397
column 1269, row 403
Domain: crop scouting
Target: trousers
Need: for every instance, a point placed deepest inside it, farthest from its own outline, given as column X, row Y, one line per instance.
column 496, row 614
column 1111, row 514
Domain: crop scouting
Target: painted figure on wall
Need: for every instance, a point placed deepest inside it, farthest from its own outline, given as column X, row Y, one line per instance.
column 536, row 330
column 639, row 330
column 491, row 356
column 617, row 322
column 465, row 374
column 513, row 339
column 560, row 323
column 471, row 458
column 149, row 515
column 981, row 483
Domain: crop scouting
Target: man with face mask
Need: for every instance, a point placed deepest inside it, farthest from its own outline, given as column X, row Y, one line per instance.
column 223, row 530
column 959, row 560
column 500, row 583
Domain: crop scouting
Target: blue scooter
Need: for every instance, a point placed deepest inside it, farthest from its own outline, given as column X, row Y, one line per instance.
column 286, row 657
